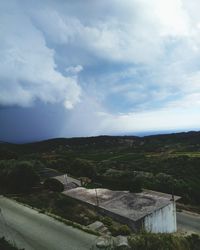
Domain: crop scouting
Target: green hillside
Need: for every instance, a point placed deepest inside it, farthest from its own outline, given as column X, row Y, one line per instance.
column 168, row 163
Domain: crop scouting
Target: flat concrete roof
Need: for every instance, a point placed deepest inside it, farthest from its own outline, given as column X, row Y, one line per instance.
column 131, row 205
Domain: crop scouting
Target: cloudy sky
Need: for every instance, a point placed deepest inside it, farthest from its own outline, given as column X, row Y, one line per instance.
column 82, row 68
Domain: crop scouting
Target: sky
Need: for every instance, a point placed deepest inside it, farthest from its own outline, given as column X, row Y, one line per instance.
column 84, row 68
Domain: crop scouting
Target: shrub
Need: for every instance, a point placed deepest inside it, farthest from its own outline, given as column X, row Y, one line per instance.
column 150, row 241
column 194, row 241
column 107, row 221
column 113, row 230
column 17, row 177
column 5, row 245
column 124, row 230
column 53, row 185
column 81, row 167
column 121, row 230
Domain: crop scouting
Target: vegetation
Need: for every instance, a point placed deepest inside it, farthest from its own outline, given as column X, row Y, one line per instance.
column 17, row 176
column 167, row 163
column 53, row 185
column 5, row 245
column 150, row 241
column 82, row 167
column 120, row 230
column 61, row 205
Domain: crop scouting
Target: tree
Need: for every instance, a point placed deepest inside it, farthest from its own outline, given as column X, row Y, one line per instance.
column 81, row 167
column 53, row 185
column 135, row 185
column 21, row 177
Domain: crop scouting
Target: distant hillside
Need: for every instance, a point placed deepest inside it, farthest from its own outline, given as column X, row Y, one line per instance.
column 176, row 141
column 167, row 163
column 3, row 142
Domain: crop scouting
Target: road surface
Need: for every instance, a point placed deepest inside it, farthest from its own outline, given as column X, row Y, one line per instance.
column 188, row 222
column 35, row 231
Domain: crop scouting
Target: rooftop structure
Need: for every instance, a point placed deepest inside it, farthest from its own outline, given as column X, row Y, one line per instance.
column 134, row 209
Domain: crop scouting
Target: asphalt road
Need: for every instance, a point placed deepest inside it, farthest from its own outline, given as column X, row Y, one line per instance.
column 188, row 222
column 35, row 231
column 31, row 230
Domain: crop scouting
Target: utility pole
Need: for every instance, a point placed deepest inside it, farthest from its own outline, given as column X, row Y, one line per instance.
column 172, row 199
column 65, row 177
column 174, row 206
column 97, row 199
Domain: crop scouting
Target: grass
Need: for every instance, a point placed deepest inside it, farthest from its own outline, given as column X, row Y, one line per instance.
column 71, row 213
column 150, row 241
column 60, row 205
column 173, row 154
column 73, row 224
column 189, row 154
column 6, row 245
column 126, row 157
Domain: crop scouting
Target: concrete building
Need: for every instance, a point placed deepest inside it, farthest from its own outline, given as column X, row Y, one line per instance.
column 148, row 210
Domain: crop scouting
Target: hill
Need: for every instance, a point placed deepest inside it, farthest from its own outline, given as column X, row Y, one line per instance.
column 168, row 163
column 185, row 140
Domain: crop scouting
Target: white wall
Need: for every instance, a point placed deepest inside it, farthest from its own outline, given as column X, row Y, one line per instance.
column 162, row 220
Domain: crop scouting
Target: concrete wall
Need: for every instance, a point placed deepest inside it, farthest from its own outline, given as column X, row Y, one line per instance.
column 136, row 226
column 162, row 220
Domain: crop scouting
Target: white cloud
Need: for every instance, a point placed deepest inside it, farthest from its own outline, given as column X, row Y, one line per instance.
column 130, row 31
column 162, row 35
column 27, row 67
column 95, row 120
column 84, row 120
column 157, row 120
column 156, row 43
column 189, row 101
column 74, row 69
